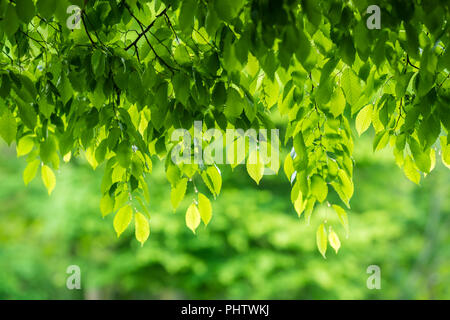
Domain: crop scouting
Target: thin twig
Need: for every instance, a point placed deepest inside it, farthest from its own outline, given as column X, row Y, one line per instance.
column 171, row 27
column 212, row 44
column 146, row 29
column 157, row 56
column 409, row 62
column 85, row 28
column 440, row 85
column 37, row 41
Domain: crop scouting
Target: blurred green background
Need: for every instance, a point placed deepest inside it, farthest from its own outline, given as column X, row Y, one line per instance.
column 254, row 248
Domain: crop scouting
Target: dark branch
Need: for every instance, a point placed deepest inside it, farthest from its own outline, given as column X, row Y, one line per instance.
column 409, row 62
column 146, row 29
column 85, row 28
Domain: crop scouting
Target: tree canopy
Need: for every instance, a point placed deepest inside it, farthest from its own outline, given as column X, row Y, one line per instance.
column 112, row 80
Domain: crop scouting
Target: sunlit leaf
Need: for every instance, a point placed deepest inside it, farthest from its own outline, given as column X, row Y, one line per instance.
column 321, row 240
column 122, row 219
column 204, row 207
column 48, row 177
column 142, row 227
column 192, row 217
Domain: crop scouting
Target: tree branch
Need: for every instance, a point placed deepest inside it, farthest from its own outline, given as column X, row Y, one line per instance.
column 85, row 28
column 146, row 29
column 409, row 62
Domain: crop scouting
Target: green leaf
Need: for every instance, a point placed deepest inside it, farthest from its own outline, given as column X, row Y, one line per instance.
column 123, row 154
column 65, row 88
column 288, row 167
column 347, row 50
column 106, row 205
column 186, row 17
column 347, row 184
column 302, row 48
column 46, row 8
column 173, row 173
column 300, row 204
column 234, row 105
column 204, row 206
column 48, row 177
column 27, row 113
column 11, row 23
column 381, row 140
column 192, row 217
column 344, row 187
column 321, row 240
column 342, row 215
column 421, row 158
column 402, row 84
column 445, row 150
column 227, row 10
column 216, row 178
column 334, row 240
column 98, row 63
column 319, row 188
column 255, row 167
column 177, row 193
column 25, row 145
column 48, row 150
column 363, row 119
column 8, row 127
column 46, row 108
column 219, row 94
column 351, row 86
column 142, row 227
column 181, row 55
column 429, row 131
column 212, row 21
column 122, row 219
column 301, row 157
column 30, row 171
column 337, row 102
column 101, row 150
column 410, row 170
column 25, row 10
column 181, row 86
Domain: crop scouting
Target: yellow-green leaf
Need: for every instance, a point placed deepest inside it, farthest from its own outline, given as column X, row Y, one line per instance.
column 351, row 86
column 30, row 171
column 177, row 193
column 321, row 240
column 445, row 150
column 337, row 102
column 300, row 204
column 48, row 177
column 192, row 217
column 24, row 146
column 334, row 240
column 216, row 178
column 446, row 155
column 342, row 215
column 411, row 170
column 363, row 119
column 288, row 167
column 319, row 188
column 8, row 127
column 347, row 184
column 142, row 227
column 255, row 167
column 204, row 206
column 122, row 219
column 106, row 205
